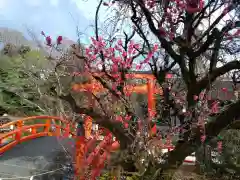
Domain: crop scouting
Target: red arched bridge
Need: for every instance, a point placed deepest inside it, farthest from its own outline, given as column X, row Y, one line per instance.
column 43, row 130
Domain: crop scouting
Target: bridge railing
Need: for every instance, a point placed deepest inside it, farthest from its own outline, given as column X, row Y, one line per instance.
column 22, row 130
column 32, row 120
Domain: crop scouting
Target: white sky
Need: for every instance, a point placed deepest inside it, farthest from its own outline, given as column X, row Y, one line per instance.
column 88, row 7
column 3, row 3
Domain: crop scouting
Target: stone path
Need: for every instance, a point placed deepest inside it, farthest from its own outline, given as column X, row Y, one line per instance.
column 27, row 160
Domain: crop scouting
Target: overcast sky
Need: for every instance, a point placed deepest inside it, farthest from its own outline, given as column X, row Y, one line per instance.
column 55, row 17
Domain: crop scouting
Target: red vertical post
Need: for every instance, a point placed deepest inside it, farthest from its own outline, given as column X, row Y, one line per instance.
column 47, row 126
column 80, row 150
column 88, row 120
column 151, row 103
column 67, row 130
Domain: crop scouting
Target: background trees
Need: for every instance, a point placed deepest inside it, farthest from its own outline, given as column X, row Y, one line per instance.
column 27, row 74
column 17, row 95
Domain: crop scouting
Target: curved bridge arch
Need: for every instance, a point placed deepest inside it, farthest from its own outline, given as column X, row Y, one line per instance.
column 27, row 129
column 88, row 151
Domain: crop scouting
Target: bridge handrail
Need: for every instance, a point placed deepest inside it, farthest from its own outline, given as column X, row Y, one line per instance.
column 33, row 127
column 20, row 136
column 34, row 118
column 20, row 122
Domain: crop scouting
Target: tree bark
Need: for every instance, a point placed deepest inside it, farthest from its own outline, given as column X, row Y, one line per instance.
column 116, row 128
column 183, row 149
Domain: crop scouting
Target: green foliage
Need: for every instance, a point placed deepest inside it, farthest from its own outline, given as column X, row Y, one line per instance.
column 106, row 176
column 132, row 178
column 17, row 84
column 230, row 155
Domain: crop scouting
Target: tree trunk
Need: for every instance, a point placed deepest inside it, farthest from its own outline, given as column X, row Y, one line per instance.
column 203, row 159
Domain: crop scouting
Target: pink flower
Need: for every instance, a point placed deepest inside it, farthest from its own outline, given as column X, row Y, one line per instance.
column 215, row 108
column 201, row 4
column 114, row 87
column 114, row 68
column 111, row 49
column 152, row 113
column 124, row 54
column 151, row 3
column 119, row 118
column 128, row 117
column 168, row 76
column 49, row 40
column 237, row 33
column 201, row 95
column 155, row 48
column 59, row 40
column 195, row 97
column 128, row 93
column 118, row 93
column 138, row 67
column 224, row 89
column 146, row 60
column 203, row 138
column 119, row 42
column 171, row 35
column 136, row 46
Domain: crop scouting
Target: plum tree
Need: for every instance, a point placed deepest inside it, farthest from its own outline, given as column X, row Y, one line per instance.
column 170, row 36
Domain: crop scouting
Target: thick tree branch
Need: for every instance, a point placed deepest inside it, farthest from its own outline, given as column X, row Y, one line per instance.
column 217, row 44
column 217, row 36
column 201, row 14
column 209, row 41
column 215, row 52
column 226, row 118
column 209, row 78
column 234, row 125
column 230, row 8
column 183, row 149
column 115, row 127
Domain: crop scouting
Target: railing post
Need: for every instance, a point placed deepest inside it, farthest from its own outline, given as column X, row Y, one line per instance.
column 18, row 136
column 88, row 120
column 34, row 131
column 88, row 127
column 19, row 132
column 80, row 149
column 58, row 131
column 47, row 126
column 67, row 130
column 19, row 124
